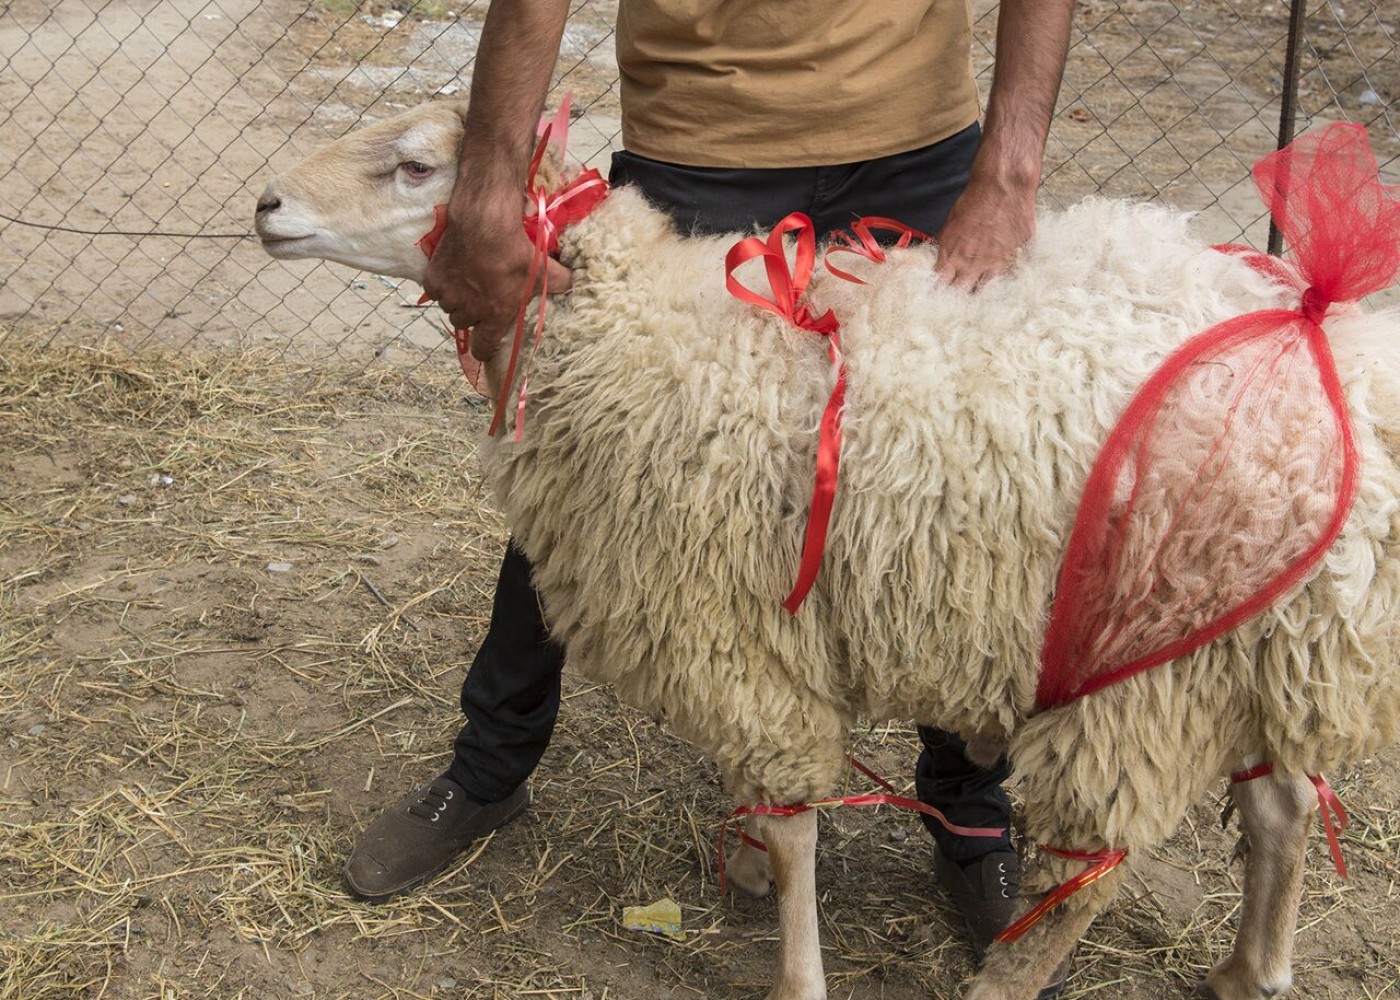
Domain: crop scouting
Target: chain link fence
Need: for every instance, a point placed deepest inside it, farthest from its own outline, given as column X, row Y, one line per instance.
column 136, row 135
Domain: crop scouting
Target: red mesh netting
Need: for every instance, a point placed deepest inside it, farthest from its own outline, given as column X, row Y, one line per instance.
column 1233, row 469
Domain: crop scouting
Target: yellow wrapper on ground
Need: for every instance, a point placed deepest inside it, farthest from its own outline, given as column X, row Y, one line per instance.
column 661, row 917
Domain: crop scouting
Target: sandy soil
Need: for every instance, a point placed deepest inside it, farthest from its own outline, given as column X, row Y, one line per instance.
column 191, row 735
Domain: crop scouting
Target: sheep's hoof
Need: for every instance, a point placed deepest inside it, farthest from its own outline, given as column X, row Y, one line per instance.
column 1226, row 982
column 750, row 872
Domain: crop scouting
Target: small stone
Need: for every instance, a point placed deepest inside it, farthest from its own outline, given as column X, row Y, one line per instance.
column 279, row 567
column 126, row 501
column 38, row 730
column 447, row 984
column 388, row 541
column 1370, row 97
column 365, row 557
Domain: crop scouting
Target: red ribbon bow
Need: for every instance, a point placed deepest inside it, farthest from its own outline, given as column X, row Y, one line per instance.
column 787, row 287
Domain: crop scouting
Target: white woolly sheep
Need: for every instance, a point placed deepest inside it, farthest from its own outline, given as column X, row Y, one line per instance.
column 661, row 490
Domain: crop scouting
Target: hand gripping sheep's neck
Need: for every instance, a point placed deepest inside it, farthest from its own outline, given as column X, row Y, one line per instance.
column 550, row 213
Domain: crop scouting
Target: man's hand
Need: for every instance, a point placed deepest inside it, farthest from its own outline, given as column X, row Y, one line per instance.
column 479, row 270
column 995, row 216
column 986, row 229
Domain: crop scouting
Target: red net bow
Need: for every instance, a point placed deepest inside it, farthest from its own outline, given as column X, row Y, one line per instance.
column 1234, row 468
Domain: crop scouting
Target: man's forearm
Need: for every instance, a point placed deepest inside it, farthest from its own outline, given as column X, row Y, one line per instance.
column 1032, row 40
column 514, row 66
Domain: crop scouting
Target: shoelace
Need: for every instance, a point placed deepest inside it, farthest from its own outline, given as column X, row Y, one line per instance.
column 432, row 803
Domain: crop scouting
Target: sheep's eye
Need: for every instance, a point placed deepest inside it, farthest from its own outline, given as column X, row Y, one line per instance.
column 416, row 171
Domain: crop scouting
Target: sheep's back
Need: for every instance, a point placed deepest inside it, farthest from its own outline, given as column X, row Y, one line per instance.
column 973, row 421
column 663, row 479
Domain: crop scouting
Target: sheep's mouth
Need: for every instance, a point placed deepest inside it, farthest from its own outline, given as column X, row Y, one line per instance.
column 286, row 246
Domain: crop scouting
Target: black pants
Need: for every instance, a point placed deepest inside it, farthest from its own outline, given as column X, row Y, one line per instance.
column 511, row 694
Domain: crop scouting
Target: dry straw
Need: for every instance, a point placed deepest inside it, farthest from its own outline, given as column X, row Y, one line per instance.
column 190, row 740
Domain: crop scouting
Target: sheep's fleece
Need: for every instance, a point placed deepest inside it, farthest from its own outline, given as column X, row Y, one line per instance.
column 662, row 482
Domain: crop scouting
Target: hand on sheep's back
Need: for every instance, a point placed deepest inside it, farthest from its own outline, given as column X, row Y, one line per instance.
column 479, row 270
column 985, row 231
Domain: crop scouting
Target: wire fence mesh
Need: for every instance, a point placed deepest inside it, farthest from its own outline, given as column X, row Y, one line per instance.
column 136, row 135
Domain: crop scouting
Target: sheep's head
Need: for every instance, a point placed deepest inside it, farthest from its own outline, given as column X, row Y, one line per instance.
column 367, row 199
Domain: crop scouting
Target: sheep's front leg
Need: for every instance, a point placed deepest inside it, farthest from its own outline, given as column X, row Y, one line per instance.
column 792, row 850
column 749, row 870
column 1276, row 815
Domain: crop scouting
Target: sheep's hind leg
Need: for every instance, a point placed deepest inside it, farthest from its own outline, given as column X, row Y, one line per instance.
column 749, row 870
column 1020, row 969
column 1276, row 815
column 792, row 849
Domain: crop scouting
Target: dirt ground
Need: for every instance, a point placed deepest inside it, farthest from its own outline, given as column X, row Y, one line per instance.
column 238, row 600
column 245, row 554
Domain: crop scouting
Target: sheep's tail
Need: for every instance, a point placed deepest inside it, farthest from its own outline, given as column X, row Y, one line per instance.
column 1234, row 468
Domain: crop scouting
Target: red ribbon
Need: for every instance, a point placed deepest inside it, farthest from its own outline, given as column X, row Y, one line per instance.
column 864, row 244
column 1266, row 264
column 471, row 368
column 1334, row 816
column 787, row 288
column 874, row 799
column 550, row 213
column 1331, row 808
column 1102, row 863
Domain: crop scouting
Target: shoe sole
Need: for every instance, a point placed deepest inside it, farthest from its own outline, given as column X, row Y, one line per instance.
column 383, row 897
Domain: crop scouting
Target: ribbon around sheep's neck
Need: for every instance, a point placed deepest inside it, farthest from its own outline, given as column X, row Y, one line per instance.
column 786, row 288
column 548, row 214
column 1334, row 817
column 1188, row 527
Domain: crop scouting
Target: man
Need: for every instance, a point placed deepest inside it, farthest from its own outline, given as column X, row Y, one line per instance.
column 734, row 114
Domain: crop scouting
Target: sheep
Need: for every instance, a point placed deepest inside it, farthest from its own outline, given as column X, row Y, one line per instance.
column 661, row 483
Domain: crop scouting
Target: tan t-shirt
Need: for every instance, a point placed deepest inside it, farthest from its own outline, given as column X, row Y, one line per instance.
column 786, row 83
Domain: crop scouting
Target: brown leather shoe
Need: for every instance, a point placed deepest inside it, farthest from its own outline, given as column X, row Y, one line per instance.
column 418, row 837
column 985, row 892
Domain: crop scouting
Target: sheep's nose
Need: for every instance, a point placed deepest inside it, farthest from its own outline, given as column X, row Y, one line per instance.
column 269, row 202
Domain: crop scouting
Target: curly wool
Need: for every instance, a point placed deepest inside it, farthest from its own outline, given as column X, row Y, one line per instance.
column 662, row 483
